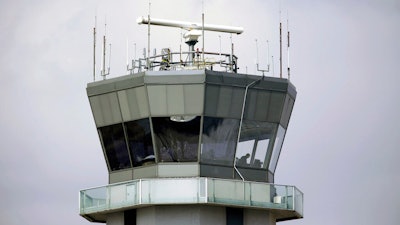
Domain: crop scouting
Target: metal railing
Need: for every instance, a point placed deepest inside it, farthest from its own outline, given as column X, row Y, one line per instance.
column 199, row 190
column 186, row 60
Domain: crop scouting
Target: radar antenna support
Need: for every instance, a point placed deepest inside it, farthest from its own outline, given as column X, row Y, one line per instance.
column 202, row 28
column 148, row 37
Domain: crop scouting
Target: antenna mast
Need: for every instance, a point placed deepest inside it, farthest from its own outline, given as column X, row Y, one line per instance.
column 134, row 59
column 103, row 65
column 273, row 66
column 109, row 62
column 202, row 25
column 103, row 71
column 148, row 37
column 127, row 54
column 94, row 48
column 280, row 49
column 258, row 69
column 288, row 46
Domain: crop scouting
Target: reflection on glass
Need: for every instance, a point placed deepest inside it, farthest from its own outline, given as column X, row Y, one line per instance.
column 219, row 140
column 253, row 144
column 176, row 141
column 115, row 146
column 139, row 141
column 277, row 149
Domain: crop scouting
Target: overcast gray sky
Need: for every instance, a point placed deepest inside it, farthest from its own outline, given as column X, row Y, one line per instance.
column 342, row 145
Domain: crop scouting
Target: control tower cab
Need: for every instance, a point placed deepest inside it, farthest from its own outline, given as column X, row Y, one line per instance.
column 186, row 144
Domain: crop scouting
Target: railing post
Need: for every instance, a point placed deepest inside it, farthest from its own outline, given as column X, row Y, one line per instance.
column 287, row 197
column 198, row 189
column 294, row 201
column 109, row 197
column 82, row 201
column 140, row 191
column 206, row 189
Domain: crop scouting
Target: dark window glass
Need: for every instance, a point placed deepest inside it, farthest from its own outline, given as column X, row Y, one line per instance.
column 216, row 171
column 219, row 140
column 234, row 216
column 115, row 146
column 177, row 138
column 139, row 141
column 255, row 141
column 130, row 217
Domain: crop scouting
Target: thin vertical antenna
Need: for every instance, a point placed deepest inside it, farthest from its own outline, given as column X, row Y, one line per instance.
column 273, row 66
column 140, row 62
column 94, row 48
column 103, row 65
column 280, row 40
column 134, row 58
column 109, row 61
column 280, row 49
column 101, row 60
column 234, row 66
column 180, row 49
column 231, row 56
column 288, row 46
column 127, row 54
column 257, row 56
column 134, row 44
column 257, row 61
column 202, row 25
column 148, row 37
column 220, row 53
column 268, row 54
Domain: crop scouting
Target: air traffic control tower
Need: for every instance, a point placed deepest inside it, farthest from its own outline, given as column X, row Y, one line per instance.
column 187, row 144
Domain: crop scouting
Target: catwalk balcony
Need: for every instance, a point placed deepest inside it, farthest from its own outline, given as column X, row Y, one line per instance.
column 285, row 202
column 191, row 123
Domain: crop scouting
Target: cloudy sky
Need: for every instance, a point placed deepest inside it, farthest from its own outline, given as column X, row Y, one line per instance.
column 342, row 145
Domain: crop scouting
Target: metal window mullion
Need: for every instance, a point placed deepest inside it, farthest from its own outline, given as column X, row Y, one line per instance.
column 240, row 124
column 153, row 139
column 127, row 143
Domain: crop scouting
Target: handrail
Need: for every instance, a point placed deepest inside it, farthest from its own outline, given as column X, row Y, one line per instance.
column 160, row 62
column 142, row 192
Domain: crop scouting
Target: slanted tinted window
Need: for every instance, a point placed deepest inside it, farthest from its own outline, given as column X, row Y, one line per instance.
column 277, row 149
column 115, row 146
column 177, row 138
column 219, row 140
column 139, row 141
column 254, row 143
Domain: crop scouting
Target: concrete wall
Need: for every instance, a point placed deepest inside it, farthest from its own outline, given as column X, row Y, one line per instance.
column 189, row 215
column 115, row 218
column 172, row 215
column 258, row 217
